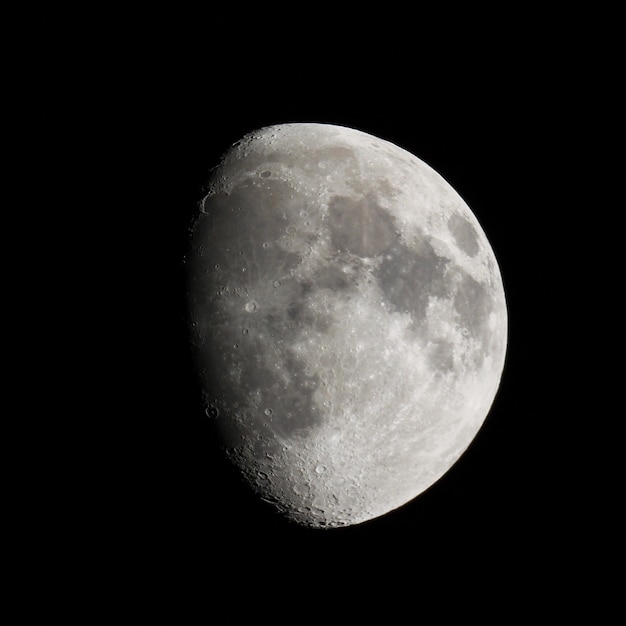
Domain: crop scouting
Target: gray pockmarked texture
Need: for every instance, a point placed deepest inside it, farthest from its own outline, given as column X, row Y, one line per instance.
column 348, row 319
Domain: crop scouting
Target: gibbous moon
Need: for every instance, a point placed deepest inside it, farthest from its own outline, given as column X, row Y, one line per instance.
column 348, row 320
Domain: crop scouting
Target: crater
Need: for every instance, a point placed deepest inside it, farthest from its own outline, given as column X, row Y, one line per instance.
column 359, row 226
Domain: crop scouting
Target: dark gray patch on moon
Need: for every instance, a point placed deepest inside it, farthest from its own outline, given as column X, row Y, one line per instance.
column 473, row 304
column 409, row 276
column 259, row 386
column 464, row 234
column 304, row 315
column 360, row 226
column 441, row 356
column 282, row 389
column 239, row 288
column 325, row 157
column 246, row 219
column 332, row 278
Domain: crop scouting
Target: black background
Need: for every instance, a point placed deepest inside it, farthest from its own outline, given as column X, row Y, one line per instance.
column 135, row 514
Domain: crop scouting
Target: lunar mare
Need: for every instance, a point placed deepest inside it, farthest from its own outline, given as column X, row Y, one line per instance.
column 348, row 320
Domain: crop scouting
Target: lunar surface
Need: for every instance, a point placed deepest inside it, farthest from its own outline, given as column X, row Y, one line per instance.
column 348, row 319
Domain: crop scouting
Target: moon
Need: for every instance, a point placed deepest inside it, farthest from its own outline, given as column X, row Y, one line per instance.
column 347, row 317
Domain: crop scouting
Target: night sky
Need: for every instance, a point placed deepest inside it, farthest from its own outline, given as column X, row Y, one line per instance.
column 141, row 510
